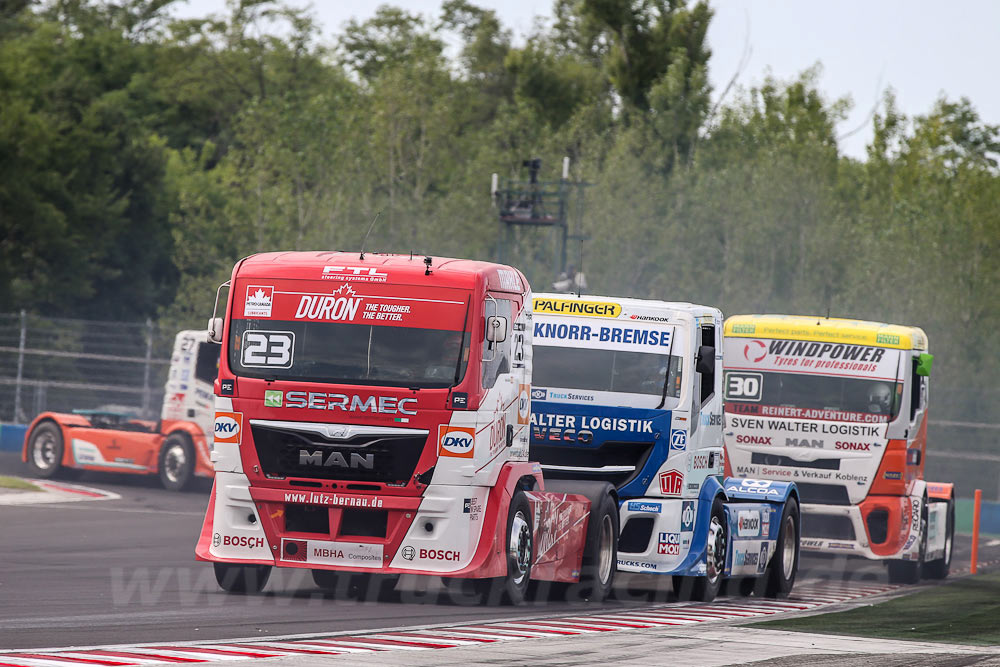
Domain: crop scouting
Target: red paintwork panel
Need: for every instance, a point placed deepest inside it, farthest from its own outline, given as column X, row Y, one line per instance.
column 560, row 533
column 136, row 447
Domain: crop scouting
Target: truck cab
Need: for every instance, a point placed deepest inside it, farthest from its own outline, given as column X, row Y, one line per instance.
column 840, row 407
column 372, row 418
column 629, row 391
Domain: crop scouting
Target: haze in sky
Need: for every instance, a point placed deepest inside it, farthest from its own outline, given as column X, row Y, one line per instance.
column 922, row 49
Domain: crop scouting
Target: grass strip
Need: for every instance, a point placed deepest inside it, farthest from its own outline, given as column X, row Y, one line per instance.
column 962, row 611
column 16, row 483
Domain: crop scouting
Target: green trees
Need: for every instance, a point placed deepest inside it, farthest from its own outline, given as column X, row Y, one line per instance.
column 141, row 156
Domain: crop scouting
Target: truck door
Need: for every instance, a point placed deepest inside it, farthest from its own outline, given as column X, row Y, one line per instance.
column 916, row 441
column 503, row 375
column 200, row 406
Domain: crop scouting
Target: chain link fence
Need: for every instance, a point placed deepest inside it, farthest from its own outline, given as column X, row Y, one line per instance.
column 57, row 364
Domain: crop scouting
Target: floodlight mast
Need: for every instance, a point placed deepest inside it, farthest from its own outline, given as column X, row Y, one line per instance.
column 535, row 203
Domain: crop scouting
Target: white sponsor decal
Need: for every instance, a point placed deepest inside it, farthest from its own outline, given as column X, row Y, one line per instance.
column 773, row 432
column 341, row 306
column 812, row 357
column 748, row 523
column 355, row 274
column 267, row 349
column 260, row 299
column 348, row 554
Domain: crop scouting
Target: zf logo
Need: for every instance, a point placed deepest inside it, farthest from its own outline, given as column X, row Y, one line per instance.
column 678, row 440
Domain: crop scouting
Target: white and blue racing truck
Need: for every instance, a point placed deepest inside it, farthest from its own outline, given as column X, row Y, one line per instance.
column 629, row 391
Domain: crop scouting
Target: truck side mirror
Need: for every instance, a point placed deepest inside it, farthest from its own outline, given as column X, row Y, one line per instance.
column 924, row 363
column 496, row 329
column 215, row 329
column 706, row 360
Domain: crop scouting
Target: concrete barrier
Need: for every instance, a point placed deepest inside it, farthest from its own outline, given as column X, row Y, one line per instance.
column 12, row 437
column 989, row 517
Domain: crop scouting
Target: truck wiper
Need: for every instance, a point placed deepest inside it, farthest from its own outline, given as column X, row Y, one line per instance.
column 666, row 373
column 461, row 348
column 666, row 385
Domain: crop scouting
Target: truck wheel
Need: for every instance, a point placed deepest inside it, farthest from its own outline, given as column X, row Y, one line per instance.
column 519, row 550
column 234, row 578
column 706, row 588
column 600, row 555
column 938, row 569
column 908, row 571
column 356, row 585
column 326, row 579
column 45, row 449
column 784, row 565
column 176, row 462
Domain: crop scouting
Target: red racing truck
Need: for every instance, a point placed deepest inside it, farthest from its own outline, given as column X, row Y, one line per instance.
column 372, row 419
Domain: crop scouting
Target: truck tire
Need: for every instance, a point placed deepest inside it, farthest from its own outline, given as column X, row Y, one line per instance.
column 600, row 554
column 356, row 585
column 45, row 449
column 705, row 588
column 784, row 565
column 326, row 579
column 938, row 569
column 234, row 578
column 519, row 550
column 176, row 462
column 908, row 571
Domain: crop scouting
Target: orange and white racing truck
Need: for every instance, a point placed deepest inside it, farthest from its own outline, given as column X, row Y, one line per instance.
column 177, row 447
column 372, row 417
column 840, row 408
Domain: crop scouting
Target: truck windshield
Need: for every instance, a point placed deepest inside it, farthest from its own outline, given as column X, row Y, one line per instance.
column 606, row 370
column 348, row 353
column 806, row 396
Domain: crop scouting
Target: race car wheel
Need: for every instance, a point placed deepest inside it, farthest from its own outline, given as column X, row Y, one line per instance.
column 519, row 550
column 234, row 578
column 908, row 571
column 707, row 587
column 600, row 555
column 176, row 462
column 938, row 569
column 784, row 565
column 45, row 449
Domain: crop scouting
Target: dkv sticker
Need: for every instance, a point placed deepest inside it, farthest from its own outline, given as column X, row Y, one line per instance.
column 228, row 427
column 456, row 441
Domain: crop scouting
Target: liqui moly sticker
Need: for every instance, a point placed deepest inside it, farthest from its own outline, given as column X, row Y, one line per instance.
column 260, row 300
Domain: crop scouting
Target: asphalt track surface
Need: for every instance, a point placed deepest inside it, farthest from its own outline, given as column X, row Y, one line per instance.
column 123, row 571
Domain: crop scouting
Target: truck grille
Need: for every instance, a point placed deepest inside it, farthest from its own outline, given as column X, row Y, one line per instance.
column 827, row 527
column 615, row 462
column 823, row 494
column 387, row 459
column 760, row 458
